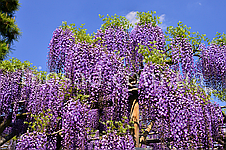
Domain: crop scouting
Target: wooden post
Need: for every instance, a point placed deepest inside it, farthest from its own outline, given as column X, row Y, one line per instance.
column 134, row 114
column 135, row 117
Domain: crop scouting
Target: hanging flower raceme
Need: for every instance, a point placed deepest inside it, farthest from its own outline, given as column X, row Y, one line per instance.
column 213, row 62
column 10, row 92
column 182, row 56
column 147, row 35
column 59, row 46
column 98, row 74
column 45, row 101
column 32, row 141
column 74, row 125
column 180, row 114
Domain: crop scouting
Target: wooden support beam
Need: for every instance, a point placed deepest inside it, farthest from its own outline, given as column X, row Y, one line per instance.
column 134, row 114
column 57, row 132
column 18, row 116
column 147, row 130
column 7, row 138
column 4, row 124
column 135, row 119
column 7, row 122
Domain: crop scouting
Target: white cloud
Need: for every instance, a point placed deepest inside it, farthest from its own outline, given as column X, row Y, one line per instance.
column 40, row 67
column 131, row 16
column 162, row 18
column 200, row 3
column 163, row 26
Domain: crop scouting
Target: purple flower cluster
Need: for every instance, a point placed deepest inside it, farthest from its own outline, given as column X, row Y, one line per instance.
column 183, row 114
column 74, row 124
column 60, row 44
column 9, row 92
column 115, row 39
column 46, row 98
column 147, row 35
column 98, row 74
column 213, row 62
column 52, row 95
column 48, row 95
column 126, row 45
column 113, row 141
column 144, row 34
column 32, row 141
column 182, row 56
column 14, row 97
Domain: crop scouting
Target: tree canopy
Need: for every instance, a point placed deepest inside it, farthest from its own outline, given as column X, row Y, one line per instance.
column 9, row 31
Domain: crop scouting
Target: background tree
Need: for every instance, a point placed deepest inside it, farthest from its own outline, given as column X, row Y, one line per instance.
column 9, row 31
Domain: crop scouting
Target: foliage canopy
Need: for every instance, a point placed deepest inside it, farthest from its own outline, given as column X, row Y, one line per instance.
column 9, row 31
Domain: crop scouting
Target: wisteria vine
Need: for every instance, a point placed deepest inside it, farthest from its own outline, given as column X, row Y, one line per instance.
column 91, row 84
column 177, row 110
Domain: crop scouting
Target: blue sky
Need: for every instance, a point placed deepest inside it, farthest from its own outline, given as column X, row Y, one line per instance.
column 38, row 19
